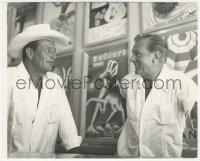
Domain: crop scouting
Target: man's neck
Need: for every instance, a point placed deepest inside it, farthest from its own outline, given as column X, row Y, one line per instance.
column 154, row 75
column 34, row 75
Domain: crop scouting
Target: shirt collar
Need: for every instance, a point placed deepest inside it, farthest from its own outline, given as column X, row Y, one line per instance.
column 24, row 73
column 161, row 80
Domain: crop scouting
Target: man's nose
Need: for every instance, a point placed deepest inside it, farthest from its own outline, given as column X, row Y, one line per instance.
column 53, row 56
column 132, row 58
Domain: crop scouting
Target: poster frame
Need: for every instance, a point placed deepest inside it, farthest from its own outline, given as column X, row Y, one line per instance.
column 67, row 49
column 145, row 28
column 85, row 71
column 86, row 29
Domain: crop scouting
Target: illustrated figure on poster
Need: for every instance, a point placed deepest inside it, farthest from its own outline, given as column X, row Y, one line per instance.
column 65, row 23
column 108, row 97
column 19, row 24
column 160, row 12
column 66, row 76
column 116, row 11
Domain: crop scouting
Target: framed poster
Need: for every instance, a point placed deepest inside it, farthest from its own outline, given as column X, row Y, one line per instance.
column 24, row 15
column 63, row 67
column 104, row 107
column 157, row 15
column 62, row 17
column 105, row 21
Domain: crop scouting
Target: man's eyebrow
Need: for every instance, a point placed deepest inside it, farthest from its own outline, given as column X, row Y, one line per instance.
column 136, row 51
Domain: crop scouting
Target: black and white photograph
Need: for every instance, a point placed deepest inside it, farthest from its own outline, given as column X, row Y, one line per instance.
column 109, row 79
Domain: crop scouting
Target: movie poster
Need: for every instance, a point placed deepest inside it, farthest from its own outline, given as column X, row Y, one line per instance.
column 61, row 16
column 107, row 20
column 160, row 14
column 25, row 16
column 106, row 109
column 63, row 67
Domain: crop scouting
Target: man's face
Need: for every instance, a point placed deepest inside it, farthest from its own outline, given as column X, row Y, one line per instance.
column 44, row 56
column 142, row 58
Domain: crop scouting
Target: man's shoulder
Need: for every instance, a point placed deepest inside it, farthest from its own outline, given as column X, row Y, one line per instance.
column 175, row 74
column 53, row 76
column 180, row 76
column 12, row 71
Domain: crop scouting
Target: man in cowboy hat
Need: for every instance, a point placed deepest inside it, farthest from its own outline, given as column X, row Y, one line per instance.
column 38, row 108
column 158, row 101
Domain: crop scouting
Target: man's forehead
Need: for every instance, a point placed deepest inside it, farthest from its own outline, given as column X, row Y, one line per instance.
column 140, row 45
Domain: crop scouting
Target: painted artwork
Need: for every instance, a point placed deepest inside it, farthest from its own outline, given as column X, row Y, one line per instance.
column 182, row 53
column 63, row 67
column 105, row 111
column 106, row 21
column 160, row 14
column 25, row 16
column 61, row 17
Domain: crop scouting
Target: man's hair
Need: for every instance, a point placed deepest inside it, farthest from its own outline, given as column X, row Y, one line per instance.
column 33, row 45
column 155, row 43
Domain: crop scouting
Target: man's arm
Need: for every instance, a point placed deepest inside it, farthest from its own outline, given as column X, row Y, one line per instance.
column 76, row 150
column 194, row 114
column 67, row 129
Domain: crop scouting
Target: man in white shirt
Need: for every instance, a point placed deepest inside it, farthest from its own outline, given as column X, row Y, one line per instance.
column 158, row 100
column 38, row 108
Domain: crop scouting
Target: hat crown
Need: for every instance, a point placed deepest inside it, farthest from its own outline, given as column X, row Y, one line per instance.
column 39, row 27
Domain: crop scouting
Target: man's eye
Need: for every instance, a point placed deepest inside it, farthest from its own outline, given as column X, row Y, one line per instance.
column 47, row 50
column 136, row 54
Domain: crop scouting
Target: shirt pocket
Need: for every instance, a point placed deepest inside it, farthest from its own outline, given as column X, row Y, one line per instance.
column 164, row 114
column 166, row 119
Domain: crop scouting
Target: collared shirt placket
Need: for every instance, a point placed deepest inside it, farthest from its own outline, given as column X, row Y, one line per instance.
column 141, row 90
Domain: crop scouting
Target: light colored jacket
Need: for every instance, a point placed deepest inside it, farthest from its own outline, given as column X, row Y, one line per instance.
column 154, row 127
column 33, row 126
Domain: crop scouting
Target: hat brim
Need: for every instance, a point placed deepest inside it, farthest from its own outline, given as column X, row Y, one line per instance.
column 19, row 41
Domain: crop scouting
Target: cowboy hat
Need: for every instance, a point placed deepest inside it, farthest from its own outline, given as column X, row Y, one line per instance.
column 33, row 33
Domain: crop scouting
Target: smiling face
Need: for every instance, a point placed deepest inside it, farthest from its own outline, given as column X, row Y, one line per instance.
column 142, row 58
column 44, row 56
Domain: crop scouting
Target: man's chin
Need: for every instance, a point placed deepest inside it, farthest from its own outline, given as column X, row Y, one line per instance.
column 136, row 72
column 49, row 69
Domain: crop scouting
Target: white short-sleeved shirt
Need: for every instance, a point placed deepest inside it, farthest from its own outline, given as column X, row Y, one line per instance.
column 33, row 126
column 154, row 128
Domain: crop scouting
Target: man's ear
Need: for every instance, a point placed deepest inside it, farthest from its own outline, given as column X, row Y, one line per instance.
column 156, row 57
column 29, row 53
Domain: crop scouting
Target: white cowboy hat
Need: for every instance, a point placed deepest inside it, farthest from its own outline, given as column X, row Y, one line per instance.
column 33, row 33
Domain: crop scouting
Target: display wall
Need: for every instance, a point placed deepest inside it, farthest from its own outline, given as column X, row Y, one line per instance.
column 101, row 38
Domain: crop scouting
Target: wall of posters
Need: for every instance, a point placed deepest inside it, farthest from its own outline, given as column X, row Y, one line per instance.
column 61, row 17
column 105, row 111
column 63, row 67
column 163, row 14
column 105, row 21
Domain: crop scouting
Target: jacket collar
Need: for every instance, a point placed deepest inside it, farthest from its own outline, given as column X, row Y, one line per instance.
column 161, row 81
